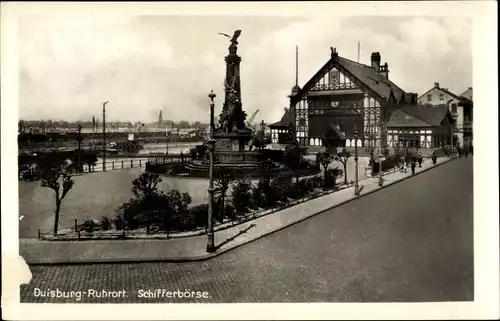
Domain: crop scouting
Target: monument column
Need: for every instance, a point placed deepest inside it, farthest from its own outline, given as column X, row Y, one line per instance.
column 233, row 72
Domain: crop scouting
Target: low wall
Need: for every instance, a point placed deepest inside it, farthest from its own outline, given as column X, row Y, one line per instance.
column 183, row 169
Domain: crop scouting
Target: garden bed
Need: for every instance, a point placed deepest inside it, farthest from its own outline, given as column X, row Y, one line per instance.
column 140, row 233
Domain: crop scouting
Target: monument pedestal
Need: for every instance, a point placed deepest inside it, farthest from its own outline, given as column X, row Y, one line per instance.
column 230, row 149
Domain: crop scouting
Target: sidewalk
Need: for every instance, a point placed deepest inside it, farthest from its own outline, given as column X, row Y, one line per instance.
column 35, row 251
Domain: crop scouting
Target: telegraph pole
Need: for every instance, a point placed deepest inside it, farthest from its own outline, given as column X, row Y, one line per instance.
column 104, row 136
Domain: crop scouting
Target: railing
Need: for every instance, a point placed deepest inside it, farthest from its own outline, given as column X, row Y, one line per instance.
column 134, row 163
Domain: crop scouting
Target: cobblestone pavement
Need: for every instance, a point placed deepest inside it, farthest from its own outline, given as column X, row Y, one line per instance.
column 412, row 241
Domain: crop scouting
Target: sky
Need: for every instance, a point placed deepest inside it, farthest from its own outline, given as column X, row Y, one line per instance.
column 69, row 65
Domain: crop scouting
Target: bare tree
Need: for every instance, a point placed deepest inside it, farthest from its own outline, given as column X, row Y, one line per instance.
column 222, row 180
column 52, row 178
column 324, row 159
column 343, row 157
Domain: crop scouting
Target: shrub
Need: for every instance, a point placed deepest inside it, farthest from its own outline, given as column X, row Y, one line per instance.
column 199, row 215
column 229, row 212
column 242, row 197
column 105, row 223
column 130, row 212
column 315, row 182
column 88, row 226
column 118, row 223
column 387, row 164
column 280, row 186
column 258, row 196
column 331, row 177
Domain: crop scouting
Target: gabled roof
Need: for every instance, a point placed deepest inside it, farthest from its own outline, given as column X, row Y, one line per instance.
column 433, row 116
column 363, row 73
column 467, row 94
column 372, row 79
column 402, row 119
column 285, row 121
column 442, row 90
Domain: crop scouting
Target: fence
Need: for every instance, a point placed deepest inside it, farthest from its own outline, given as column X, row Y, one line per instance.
column 133, row 163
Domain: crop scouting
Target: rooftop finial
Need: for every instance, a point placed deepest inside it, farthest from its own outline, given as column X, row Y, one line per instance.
column 334, row 51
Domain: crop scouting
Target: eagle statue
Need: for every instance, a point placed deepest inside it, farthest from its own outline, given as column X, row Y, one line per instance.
column 233, row 40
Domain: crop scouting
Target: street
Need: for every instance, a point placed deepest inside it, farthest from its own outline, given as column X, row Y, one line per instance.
column 409, row 242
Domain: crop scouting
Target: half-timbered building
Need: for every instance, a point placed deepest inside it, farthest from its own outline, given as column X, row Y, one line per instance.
column 348, row 95
column 420, row 127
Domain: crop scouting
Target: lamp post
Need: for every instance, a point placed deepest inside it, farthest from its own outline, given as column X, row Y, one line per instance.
column 380, row 178
column 211, row 144
column 104, row 136
column 356, row 185
column 79, row 139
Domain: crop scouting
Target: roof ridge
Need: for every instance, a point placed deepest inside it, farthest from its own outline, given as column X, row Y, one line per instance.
column 356, row 62
column 416, row 116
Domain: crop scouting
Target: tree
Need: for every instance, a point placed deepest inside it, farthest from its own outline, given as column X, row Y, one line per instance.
column 52, row 178
column 223, row 178
column 145, row 186
column 343, row 157
column 294, row 158
column 324, row 159
column 242, row 197
column 146, row 191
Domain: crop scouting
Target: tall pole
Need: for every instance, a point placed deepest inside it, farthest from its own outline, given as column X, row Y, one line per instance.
column 104, row 136
column 211, row 143
column 93, row 132
column 80, row 138
column 296, row 65
column 356, row 186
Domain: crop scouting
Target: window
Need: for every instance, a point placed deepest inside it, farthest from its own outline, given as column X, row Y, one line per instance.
column 454, row 108
column 441, row 97
column 429, row 97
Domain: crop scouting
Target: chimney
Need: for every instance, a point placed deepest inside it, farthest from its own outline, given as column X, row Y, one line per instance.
column 376, row 61
column 436, row 85
column 384, row 71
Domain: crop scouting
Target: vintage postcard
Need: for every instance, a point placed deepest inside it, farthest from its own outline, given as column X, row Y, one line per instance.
column 326, row 160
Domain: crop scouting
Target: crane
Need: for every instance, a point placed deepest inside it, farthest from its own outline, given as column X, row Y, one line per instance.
column 250, row 120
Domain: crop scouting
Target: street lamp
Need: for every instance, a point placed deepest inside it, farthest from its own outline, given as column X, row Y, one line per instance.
column 355, row 134
column 104, row 136
column 211, row 145
column 380, row 178
column 79, row 139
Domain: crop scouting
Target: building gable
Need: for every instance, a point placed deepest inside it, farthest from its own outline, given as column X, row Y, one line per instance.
column 436, row 96
column 344, row 74
column 333, row 79
column 400, row 118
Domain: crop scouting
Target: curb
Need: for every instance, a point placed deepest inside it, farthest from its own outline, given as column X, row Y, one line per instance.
column 219, row 252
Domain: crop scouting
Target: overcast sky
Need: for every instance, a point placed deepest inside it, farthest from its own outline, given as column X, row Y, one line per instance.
column 144, row 64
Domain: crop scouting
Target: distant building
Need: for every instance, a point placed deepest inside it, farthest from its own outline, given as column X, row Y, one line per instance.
column 460, row 107
column 280, row 130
